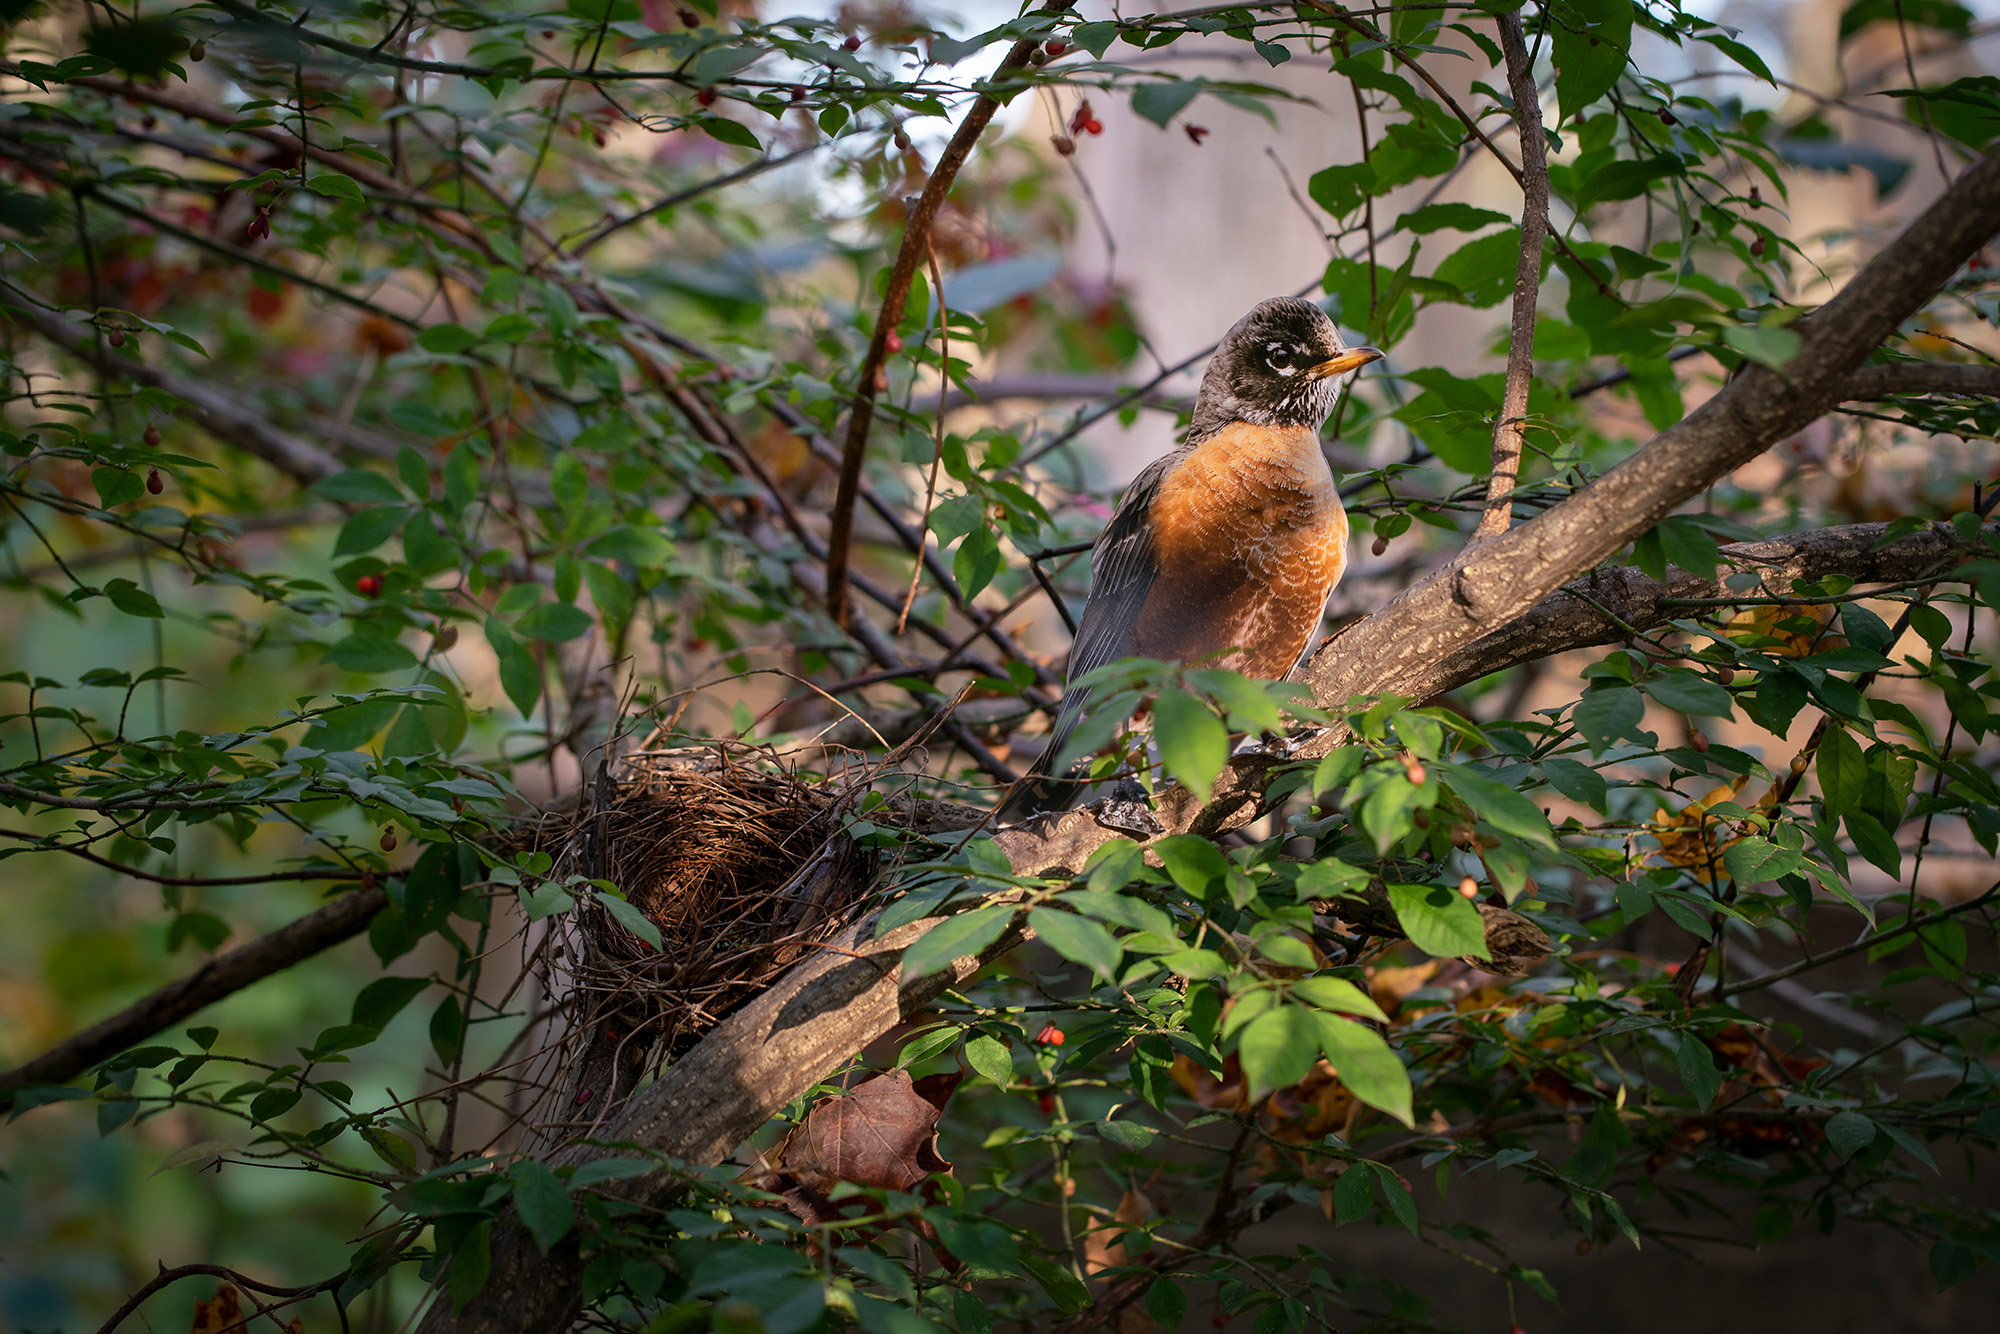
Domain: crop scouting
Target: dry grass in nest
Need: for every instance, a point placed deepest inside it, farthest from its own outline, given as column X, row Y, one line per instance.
column 741, row 865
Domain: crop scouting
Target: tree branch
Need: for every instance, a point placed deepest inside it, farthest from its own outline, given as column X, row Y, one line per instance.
column 1511, row 428
column 916, row 233
column 217, row 413
column 344, row 918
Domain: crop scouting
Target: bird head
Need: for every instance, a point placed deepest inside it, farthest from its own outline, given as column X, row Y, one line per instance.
column 1283, row 364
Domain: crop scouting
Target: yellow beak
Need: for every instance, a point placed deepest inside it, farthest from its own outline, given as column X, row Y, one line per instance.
column 1352, row 359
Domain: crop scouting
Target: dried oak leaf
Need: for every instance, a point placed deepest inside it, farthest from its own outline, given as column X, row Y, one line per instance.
column 219, row 1314
column 882, row 1133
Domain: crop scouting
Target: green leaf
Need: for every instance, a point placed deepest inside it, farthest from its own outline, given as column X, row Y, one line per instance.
column 447, row 339
column 358, row 486
column 1842, row 771
column 1771, row 347
column 1287, row 951
column 1166, row 1303
column 520, row 674
column 1278, row 1048
column 1849, row 1133
column 1874, row 842
column 1439, row 920
column 1063, row 1287
column 977, row 561
column 333, row 185
column 1195, row 964
column 365, row 651
column 1193, row 743
column 1503, row 807
column 633, row 546
column 1685, row 692
column 1697, row 1069
column 1353, row 1194
column 1457, row 217
column 1577, row 781
column 369, row 529
column 628, row 916
column 1077, row 939
column 732, row 132
column 542, row 1202
column 1590, row 40
column 471, row 1263
column 447, row 1030
column 391, row 1148
column 1606, row 714
column 1337, row 993
column 1367, row 1065
column 990, row 1057
column 1483, row 269
column 1195, row 864
column 133, row 600
column 956, row 937
column 555, row 622
column 117, row 486
column 384, row 998
column 1161, row 102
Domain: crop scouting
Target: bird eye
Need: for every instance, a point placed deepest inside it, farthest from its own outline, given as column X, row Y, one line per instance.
column 1280, row 359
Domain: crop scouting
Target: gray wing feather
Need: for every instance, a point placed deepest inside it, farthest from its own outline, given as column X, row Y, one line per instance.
column 1123, row 568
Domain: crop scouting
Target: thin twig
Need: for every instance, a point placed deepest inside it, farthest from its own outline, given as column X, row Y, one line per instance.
column 916, row 240
column 937, row 451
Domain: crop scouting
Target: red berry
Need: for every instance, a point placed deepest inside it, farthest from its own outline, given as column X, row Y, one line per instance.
column 1047, row 1102
column 1379, row 545
column 152, row 437
column 881, row 381
column 690, row 18
column 368, row 585
column 389, row 839
column 153, row 482
column 446, row 637
column 1667, row 117
column 198, row 52
column 116, row 338
column 706, row 97
column 1064, row 144
column 1093, row 126
column 1050, row 1036
column 853, row 43
column 893, row 343
column 1056, row 48
column 798, row 92
column 1757, row 247
column 1196, row 133
column 1082, row 120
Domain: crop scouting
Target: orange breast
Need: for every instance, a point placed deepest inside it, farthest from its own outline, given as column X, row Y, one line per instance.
column 1250, row 538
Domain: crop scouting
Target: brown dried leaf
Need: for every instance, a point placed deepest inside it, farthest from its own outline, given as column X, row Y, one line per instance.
column 883, row 1133
column 220, row 1314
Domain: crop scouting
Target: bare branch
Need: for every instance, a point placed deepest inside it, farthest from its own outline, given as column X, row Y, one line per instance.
column 916, row 239
column 1510, row 430
column 344, row 918
column 216, row 412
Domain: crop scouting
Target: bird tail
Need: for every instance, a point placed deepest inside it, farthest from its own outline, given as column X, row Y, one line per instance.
column 1038, row 790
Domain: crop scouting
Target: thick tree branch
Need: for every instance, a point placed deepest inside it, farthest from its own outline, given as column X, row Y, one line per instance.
column 342, row 919
column 1495, row 581
column 916, row 239
column 1511, row 428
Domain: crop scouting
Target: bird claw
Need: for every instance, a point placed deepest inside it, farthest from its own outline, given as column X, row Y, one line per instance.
column 1135, row 818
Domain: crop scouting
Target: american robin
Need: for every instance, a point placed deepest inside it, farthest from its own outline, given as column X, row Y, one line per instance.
column 1222, row 552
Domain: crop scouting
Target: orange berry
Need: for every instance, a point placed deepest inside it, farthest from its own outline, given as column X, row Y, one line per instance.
column 1050, row 1036
column 1469, row 887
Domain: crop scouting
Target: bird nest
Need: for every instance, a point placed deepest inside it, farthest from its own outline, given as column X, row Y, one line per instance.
column 741, row 866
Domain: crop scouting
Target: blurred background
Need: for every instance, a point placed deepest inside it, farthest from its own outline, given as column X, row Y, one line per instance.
column 1095, row 270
